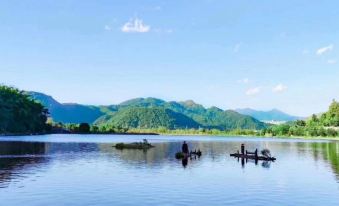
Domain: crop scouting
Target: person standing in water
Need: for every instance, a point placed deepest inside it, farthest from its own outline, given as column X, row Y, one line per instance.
column 243, row 149
column 185, row 149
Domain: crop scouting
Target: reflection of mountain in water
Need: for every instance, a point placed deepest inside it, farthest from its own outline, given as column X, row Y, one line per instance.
column 22, row 148
column 17, row 156
column 330, row 152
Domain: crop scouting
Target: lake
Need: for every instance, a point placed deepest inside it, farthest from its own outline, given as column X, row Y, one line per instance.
column 88, row 170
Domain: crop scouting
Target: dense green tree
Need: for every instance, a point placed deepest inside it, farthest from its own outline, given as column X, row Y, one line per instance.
column 331, row 118
column 20, row 114
column 325, row 125
column 84, row 128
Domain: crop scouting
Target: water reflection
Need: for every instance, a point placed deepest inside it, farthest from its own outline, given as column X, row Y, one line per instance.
column 193, row 157
column 329, row 151
column 244, row 161
column 99, row 174
column 184, row 162
column 22, row 148
column 266, row 164
column 17, row 158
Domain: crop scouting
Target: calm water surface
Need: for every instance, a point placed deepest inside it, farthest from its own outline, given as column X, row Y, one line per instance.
column 87, row 170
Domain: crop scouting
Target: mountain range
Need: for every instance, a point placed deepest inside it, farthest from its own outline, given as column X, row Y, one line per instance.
column 148, row 113
column 273, row 115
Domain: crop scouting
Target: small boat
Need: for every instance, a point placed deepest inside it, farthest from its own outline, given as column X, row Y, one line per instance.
column 247, row 156
column 266, row 154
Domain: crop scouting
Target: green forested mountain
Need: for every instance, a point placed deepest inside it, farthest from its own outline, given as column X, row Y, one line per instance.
column 19, row 114
column 149, row 113
column 212, row 118
column 155, row 117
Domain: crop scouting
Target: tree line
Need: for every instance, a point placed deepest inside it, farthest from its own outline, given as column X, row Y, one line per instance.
column 325, row 125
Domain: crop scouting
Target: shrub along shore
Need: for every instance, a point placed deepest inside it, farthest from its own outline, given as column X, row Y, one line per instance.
column 273, row 131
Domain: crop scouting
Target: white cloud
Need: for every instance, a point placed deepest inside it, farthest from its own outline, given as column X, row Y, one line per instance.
column 279, row 88
column 325, row 49
column 331, row 61
column 244, row 80
column 107, row 28
column 236, row 48
column 253, row 91
column 135, row 26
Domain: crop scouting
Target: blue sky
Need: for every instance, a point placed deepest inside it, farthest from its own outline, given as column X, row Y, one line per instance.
column 231, row 54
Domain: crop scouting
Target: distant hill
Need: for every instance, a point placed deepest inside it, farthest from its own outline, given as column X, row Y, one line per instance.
column 67, row 113
column 208, row 118
column 272, row 115
column 139, row 117
column 149, row 113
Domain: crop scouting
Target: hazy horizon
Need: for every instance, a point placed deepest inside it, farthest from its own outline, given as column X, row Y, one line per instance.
column 248, row 54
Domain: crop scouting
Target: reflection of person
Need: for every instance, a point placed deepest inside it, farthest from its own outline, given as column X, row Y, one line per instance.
column 184, row 162
column 243, row 162
column 185, row 148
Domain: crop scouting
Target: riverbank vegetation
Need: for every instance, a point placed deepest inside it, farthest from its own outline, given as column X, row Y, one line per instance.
column 19, row 114
column 323, row 125
column 285, row 130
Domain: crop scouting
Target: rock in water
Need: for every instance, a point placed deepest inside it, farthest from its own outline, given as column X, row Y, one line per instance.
column 135, row 145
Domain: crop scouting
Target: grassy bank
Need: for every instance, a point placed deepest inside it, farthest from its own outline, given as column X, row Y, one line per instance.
column 242, row 133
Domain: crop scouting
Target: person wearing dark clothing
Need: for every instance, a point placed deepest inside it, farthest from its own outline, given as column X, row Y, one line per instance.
column 185, row 148
column 242, row 148
column 199, row 153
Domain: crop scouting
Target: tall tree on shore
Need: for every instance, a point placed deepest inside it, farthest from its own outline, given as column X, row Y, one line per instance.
column 20, row 114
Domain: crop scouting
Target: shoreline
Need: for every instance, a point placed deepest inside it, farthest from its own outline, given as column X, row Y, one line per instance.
column 183, row 135
column 40, row 134
column 256, row 136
